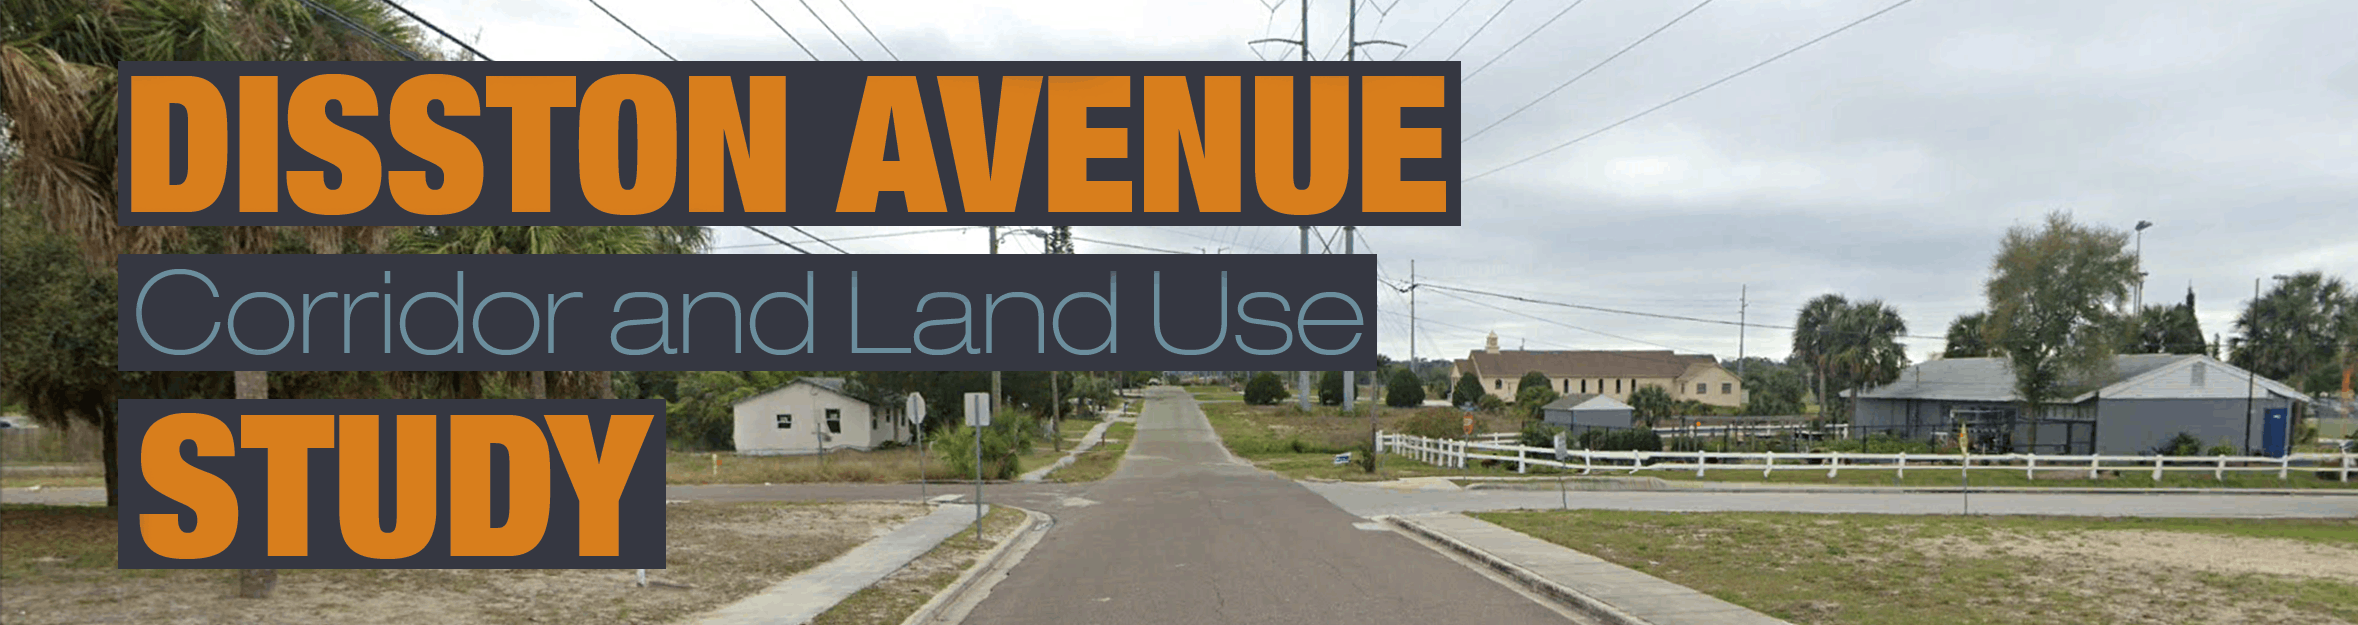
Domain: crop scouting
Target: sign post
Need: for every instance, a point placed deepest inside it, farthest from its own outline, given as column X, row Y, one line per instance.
column 916, row 415
column 978, row 416
column 1562, row 454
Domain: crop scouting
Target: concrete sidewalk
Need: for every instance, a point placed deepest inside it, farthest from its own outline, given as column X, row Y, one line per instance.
column 1090, row 440
column 1604, row 591
column 811, row 593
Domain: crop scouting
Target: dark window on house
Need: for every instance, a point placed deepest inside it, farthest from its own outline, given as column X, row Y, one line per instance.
column 872, row 422
column 1616, row 386
column 1727, row 388
column 1584, row 386
column 785, row 421
column 834, row 421
column 1498, row 383
column 1567, row 386
column 1702, row 389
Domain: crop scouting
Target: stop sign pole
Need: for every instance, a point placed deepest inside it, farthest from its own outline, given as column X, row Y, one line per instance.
column 916, row 416
column 978, row 416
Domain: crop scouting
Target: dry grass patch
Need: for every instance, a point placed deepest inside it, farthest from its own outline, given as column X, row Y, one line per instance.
column 889, row 466
column 894, row 598
column 1892, row 569
column 58, row 564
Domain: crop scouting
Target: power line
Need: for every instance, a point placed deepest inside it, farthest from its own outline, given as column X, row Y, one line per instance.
column 437, row 30
column 1436, row 27
column 1560, row 323
column 806, row 6
column 864, row 26
column 1461, row 46
column 1131, row 246
column 362, row 32
column 814, row 237
column 1526, row 37
column 887, row 235
column 635, row 32
column 780, row 241
column 806, row 50
column 1689, row 94
column 1591, row 70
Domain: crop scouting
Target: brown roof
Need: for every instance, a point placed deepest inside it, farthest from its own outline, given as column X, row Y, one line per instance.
column 1589, row 364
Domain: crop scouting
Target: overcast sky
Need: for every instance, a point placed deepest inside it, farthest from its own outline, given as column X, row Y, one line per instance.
column 1885, row 162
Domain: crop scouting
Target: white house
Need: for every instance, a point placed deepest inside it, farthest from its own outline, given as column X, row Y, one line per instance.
column 797, row 417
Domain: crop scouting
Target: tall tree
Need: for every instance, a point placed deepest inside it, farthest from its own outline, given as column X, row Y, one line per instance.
column 58, row 86
column 1651, row 403
column 2052, row 291
column 1815, row 340
column 1531, row 380
column 1772, row 389
column 1868, row 351
column 1969, row 337
column 2171, row 329
column 2298, row 331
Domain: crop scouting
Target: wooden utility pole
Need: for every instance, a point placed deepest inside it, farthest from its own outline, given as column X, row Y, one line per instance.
column 255, row 583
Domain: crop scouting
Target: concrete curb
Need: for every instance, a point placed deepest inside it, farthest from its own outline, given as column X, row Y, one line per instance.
column 1580, row 603
column 951, row 604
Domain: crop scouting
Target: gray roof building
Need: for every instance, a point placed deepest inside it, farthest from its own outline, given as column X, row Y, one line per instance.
column 2145, row 400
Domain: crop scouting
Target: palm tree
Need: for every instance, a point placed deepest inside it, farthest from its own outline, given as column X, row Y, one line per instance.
column 1869, row 352
column 2296, row 332
column 57, row 91
column 1815, row 341
column 1651, row 403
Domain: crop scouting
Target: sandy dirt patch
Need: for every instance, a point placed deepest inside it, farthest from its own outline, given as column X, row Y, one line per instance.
column 719, row 552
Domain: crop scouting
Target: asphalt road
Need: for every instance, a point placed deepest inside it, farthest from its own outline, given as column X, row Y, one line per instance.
column 1371, row 500
column 1184, row 533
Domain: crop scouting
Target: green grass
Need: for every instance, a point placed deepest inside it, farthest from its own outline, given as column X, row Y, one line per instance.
column 1862, row 476
column 1101, row 461
column 1303, row 445
column 1895, row 569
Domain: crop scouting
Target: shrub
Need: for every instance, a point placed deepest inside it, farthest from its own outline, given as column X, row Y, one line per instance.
column 1490, row 403
column 2221, row 449
column 1621, row 440
column 1530, row 402
column 2183, row 444
column 1265, row 389
column 1540, row 434
column 1404, row 390
column 1330, row 388
column 1434, row 424
column 1469, row 390
column 1000, row 456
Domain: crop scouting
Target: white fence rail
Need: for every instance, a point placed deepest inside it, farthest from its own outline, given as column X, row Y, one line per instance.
column 1455, row 453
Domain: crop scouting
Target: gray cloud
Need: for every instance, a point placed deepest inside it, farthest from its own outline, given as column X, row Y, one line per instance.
column 1884, row 163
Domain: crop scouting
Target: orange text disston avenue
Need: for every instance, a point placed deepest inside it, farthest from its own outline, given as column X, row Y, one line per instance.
column 722, row 136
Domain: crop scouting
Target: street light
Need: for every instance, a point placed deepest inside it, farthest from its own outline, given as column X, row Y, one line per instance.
column 2141, row 226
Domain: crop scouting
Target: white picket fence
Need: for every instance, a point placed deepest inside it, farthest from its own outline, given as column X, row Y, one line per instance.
column 1456, row 453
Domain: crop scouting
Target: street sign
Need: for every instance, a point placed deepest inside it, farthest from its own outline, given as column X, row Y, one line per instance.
column 916, row 412
column 978, row 409
column 1469, row 424
column 1343, row 458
